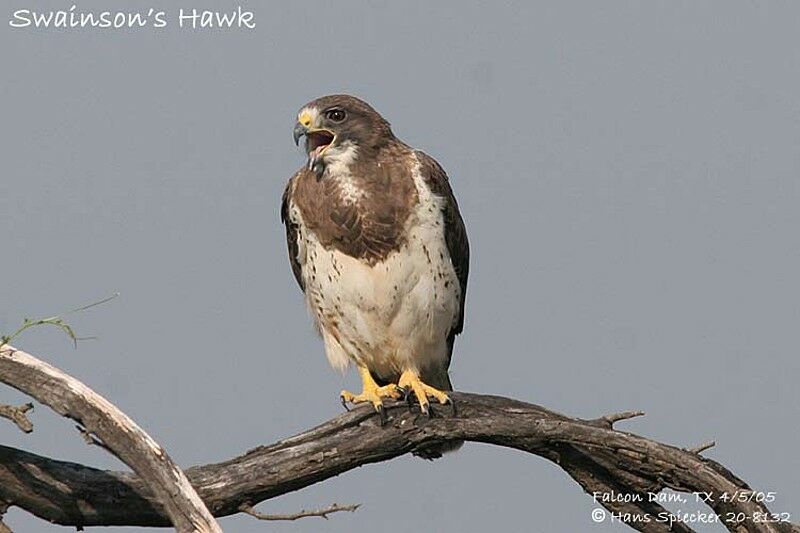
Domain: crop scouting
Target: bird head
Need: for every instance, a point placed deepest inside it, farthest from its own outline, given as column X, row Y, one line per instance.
column 337, row 127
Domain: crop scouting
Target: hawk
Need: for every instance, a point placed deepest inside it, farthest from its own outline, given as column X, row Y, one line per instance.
column 378, row 246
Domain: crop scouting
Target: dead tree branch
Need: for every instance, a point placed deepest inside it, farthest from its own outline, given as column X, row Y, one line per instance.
column 599, row 458
column 608, row 421
column 322, row 513
column 18, row 415
column 701, row 448
column 115, row 430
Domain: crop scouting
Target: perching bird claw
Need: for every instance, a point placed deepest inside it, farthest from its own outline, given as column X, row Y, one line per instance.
column 425, row 409
column 410, row 380
column 382, row 414
column 407, row 397
column 372, row 393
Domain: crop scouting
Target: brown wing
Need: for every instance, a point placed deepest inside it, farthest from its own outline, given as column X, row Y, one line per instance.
column 291, row 234
column 454, row 231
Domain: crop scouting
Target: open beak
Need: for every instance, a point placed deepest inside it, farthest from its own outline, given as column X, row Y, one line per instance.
column 317, row 141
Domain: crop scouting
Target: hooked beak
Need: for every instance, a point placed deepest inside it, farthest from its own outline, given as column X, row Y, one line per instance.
column 299, row 131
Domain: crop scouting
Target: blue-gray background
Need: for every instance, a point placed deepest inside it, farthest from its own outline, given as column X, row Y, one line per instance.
column 630, row 177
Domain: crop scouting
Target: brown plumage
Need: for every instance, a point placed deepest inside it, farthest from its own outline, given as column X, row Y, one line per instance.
column 371, row 227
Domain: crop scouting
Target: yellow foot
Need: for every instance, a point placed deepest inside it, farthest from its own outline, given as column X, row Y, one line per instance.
column 372, row 393
column 374, row 396
column 409, row 381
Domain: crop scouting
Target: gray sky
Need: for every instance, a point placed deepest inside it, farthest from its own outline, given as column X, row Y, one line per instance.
column 629, row 176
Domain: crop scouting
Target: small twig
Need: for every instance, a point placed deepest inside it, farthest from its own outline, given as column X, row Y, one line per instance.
column 56, row 321
column 702, row 447
column 90, row 439
column 323, row 513
column 609, row 420
column 93, row 304
column 50, row 321
column 18, row 416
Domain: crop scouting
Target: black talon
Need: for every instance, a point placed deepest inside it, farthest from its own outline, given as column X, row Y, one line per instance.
column 453, row 411
column 382, row 414
column 426, row 410
column 344, row 403
column 409, row 398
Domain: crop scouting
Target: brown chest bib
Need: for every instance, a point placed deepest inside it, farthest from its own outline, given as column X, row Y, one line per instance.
column 360, row 211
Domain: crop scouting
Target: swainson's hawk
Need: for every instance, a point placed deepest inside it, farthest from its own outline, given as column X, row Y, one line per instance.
column 378, row 245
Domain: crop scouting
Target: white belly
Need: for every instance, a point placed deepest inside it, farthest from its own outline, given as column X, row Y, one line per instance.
column 392, row 316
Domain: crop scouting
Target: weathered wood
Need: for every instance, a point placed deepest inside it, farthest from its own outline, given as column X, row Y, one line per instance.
column 109, row 427
column 18, row 415
column 598, row 457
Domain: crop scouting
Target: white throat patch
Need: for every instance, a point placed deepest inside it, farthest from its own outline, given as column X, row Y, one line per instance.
column 337, row 165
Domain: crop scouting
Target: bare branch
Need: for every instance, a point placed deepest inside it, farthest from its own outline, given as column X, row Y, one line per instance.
column 608, row 421
column 18, row 415
column 72, row 399
column 600, row 459
column 702, row 447
column 323, row 513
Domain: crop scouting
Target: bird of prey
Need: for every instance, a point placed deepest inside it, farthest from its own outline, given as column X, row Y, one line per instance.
column 378, row 246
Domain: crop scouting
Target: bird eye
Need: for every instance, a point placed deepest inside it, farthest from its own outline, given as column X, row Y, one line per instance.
column 335, row 115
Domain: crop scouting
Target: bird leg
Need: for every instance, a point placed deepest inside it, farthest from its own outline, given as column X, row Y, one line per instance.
column 409, row 380
column 371, row 392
